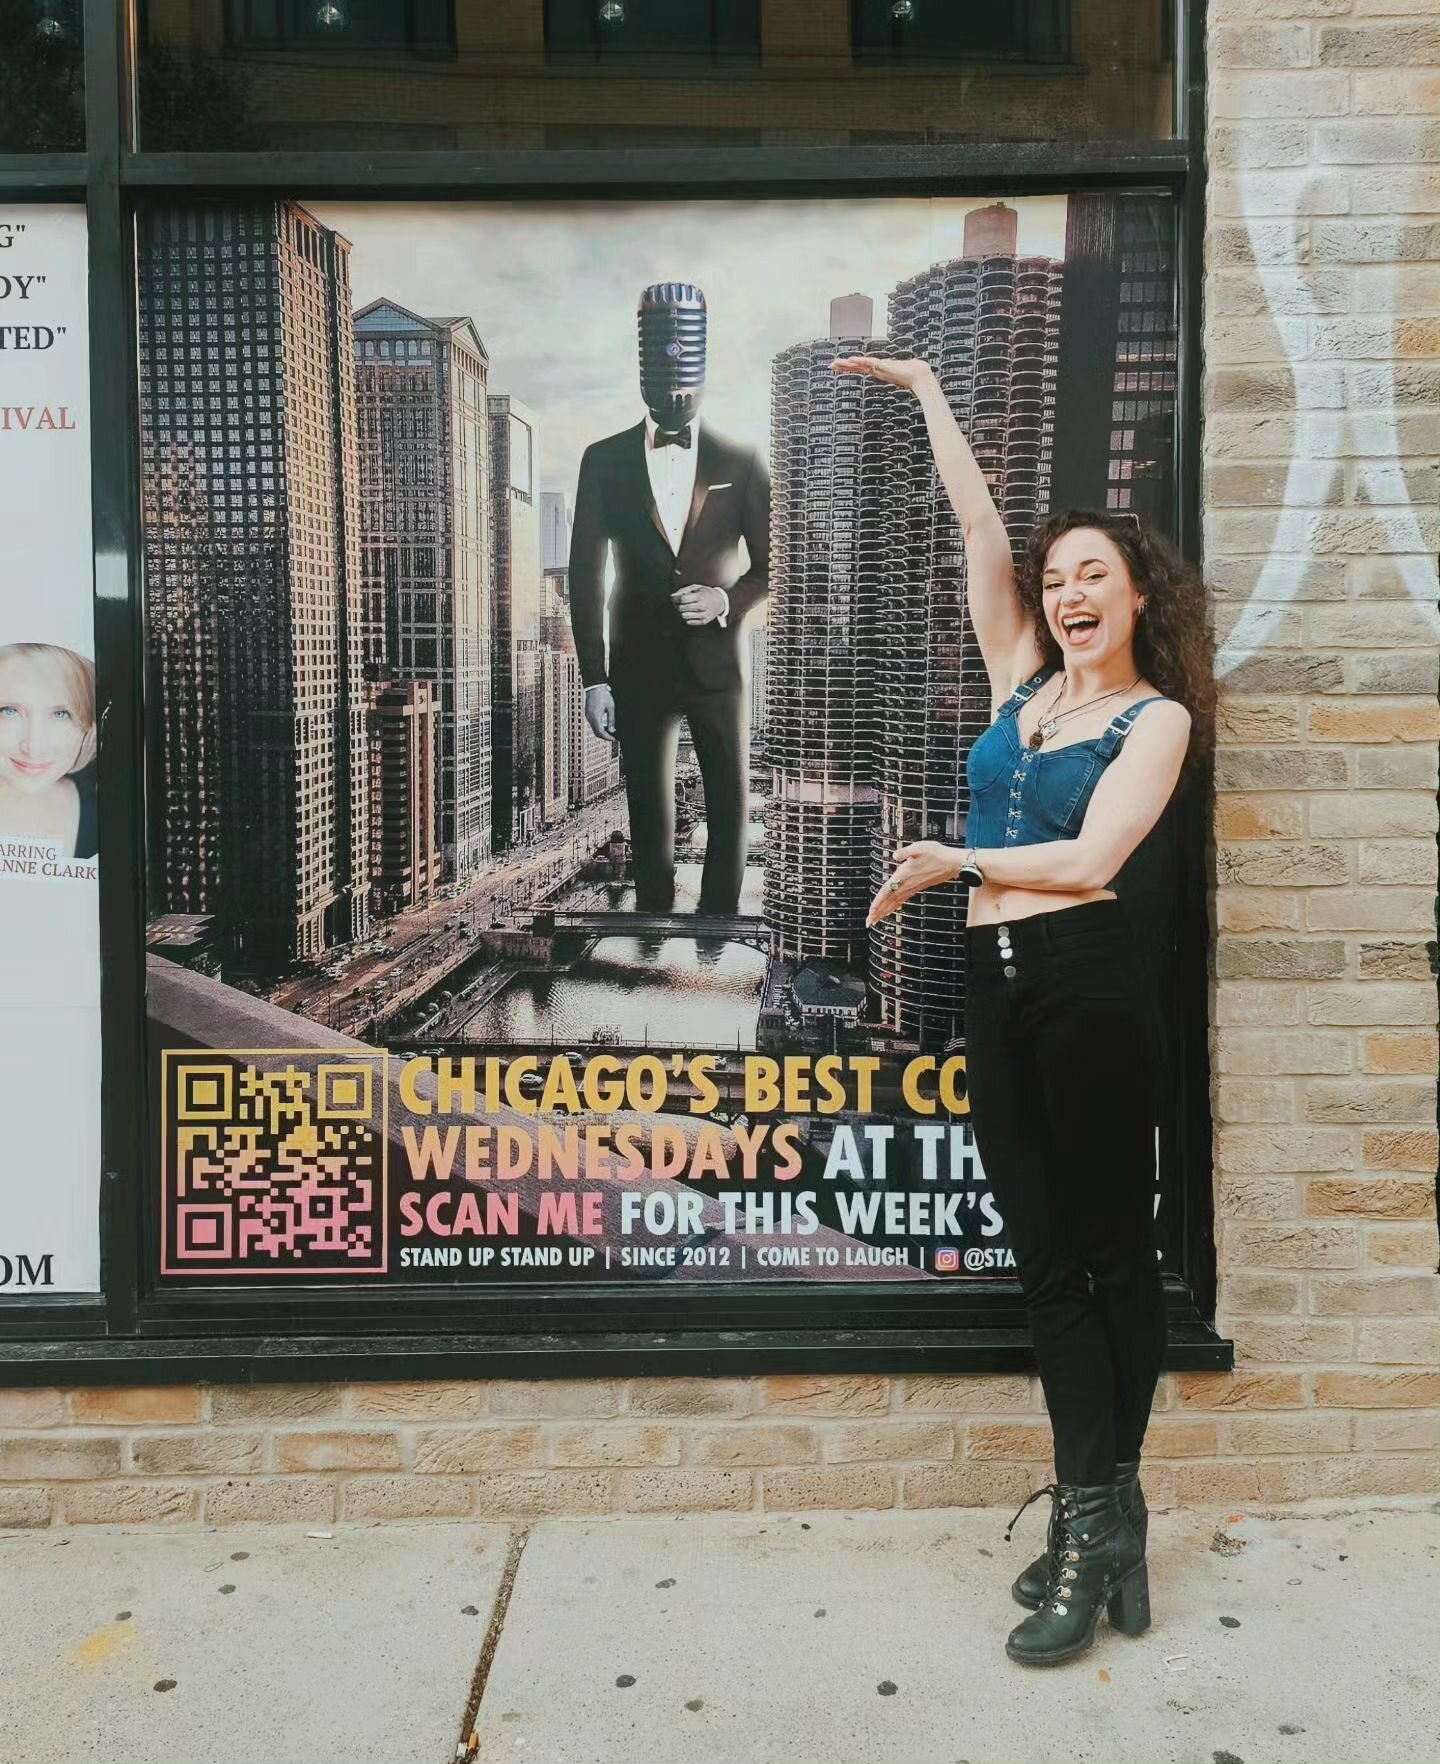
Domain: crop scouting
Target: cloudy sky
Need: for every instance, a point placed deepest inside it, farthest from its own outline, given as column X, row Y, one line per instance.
column 552, row 289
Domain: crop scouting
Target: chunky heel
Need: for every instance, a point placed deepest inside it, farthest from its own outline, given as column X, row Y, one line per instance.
column 1096, row 1567
column 1129, row 1604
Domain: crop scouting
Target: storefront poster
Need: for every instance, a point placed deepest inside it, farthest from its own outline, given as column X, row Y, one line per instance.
column 448, row 982
column 49, row 943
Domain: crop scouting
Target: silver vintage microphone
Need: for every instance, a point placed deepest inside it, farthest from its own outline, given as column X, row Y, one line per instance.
column 671, row 324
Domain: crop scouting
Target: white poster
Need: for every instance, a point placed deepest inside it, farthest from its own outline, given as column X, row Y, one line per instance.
column 49, row 918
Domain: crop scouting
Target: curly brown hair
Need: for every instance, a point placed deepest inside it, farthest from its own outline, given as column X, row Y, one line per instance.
column 1174, row 646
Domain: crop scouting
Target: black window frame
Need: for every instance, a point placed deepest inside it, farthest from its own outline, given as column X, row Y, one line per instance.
column 133, row 1332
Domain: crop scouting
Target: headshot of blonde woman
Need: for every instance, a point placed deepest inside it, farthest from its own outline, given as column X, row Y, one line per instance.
column 47, row 747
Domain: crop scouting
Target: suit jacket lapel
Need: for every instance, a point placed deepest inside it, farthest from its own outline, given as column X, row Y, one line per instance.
column 641, row 470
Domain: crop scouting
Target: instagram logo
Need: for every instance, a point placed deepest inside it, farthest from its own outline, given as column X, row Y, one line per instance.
column 947, row 1260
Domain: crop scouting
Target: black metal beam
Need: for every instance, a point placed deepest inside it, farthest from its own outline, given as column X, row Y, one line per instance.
column 1190, row 280
column 640, row 1354
column 640, row 174
column 41, row 177
column 115, row 514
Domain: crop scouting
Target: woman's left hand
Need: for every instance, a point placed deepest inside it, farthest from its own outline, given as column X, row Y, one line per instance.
column 925, row 864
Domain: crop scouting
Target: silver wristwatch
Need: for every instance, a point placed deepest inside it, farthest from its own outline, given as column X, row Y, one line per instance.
column 970, row 871
column 969, row 868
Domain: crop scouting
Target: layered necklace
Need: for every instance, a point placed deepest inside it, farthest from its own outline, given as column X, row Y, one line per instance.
column 1052, row 720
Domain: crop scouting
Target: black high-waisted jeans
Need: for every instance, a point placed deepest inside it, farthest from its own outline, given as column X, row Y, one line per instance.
column 1062, row 1053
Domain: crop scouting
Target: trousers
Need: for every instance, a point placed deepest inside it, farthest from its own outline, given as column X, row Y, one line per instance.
column 648, row 721
column 1062, row 1061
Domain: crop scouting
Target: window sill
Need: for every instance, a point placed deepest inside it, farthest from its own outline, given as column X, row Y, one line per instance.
column 732, row 1353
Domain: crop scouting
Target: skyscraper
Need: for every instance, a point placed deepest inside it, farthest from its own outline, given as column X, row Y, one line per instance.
column 989, row 323
column 558, row 712
column 554, row 531
column 515, row 619
column 593, row 766
column 758, row 639
column 425, row 511
column 836, row 472
column 852, row 315
column 560, row 699
column 404, row 741
column 1115, row 436
column 258, row 795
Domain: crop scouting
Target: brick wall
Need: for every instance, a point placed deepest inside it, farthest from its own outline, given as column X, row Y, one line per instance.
column 1322, row 426
column 313, row 1453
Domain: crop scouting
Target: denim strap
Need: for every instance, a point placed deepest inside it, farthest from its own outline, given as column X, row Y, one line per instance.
column 1027, row 689
column 1120, row 726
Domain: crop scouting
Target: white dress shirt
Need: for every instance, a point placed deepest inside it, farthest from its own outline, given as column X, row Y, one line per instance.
column 672, row 480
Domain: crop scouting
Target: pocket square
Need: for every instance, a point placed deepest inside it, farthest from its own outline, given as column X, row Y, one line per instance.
column 729, row 485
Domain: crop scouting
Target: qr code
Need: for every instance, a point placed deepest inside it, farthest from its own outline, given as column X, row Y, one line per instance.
column 273, row 1163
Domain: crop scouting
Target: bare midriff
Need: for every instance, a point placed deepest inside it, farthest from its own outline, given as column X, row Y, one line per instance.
column 994, row 904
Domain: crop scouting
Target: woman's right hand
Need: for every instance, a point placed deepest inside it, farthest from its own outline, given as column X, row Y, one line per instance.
column 910, row 372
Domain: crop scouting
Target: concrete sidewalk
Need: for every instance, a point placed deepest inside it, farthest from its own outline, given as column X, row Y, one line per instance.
column 865, row 1638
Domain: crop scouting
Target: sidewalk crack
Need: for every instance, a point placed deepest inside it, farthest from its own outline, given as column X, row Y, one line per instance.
column 516, row 1548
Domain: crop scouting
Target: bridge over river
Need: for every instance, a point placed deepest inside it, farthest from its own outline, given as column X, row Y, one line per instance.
column 749, row 928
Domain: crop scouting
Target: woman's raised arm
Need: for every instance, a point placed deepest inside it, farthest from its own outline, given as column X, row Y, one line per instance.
column 1006, row 636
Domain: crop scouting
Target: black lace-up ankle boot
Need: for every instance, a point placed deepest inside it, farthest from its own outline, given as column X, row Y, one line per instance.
column 1033, row 1582
column 1099, row 1567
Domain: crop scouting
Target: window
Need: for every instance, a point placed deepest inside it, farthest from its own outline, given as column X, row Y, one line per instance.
column 561, row 75
column 416, row 26
column 301, row 516
column 42, row 90
column 951, row 30
column 616, row 32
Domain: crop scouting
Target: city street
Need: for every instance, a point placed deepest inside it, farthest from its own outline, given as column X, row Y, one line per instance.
column 429, row 939
column 808, row 1638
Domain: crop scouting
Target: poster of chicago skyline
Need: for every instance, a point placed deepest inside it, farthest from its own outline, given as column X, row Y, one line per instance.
column 376, row 804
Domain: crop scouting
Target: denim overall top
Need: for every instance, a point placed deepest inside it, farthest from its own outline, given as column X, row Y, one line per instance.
column 1022, row 795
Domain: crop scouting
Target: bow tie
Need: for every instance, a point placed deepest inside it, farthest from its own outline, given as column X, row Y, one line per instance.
column 672, row 438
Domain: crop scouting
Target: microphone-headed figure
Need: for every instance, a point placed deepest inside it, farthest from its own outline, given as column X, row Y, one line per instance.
column 670, row 320
column 669, row 552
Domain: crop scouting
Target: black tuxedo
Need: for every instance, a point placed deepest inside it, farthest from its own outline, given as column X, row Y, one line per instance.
column 659, row 668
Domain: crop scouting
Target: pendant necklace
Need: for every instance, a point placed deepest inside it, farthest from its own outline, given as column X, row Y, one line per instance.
column 1047, row 726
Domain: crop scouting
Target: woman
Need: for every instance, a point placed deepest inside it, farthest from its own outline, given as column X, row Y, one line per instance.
column 1101, row 687
column 47, row 741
